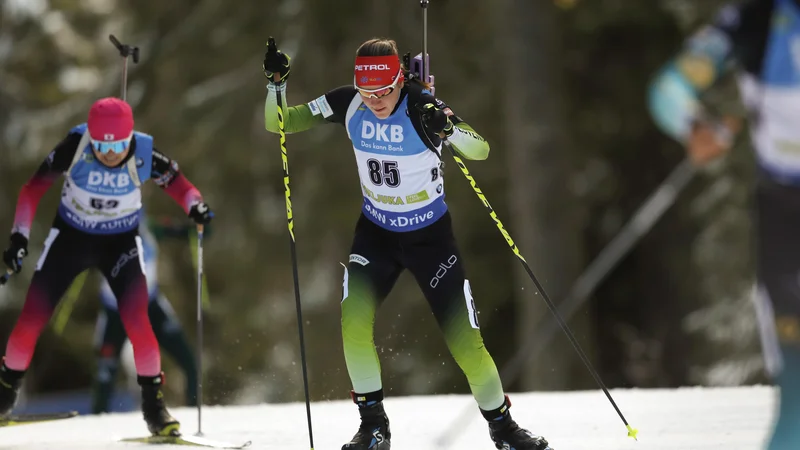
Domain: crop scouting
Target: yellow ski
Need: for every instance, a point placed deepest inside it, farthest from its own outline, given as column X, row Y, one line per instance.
column 196, row 441
column 26, row 419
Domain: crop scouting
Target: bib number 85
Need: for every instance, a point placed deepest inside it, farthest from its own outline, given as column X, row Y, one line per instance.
column 383, row 172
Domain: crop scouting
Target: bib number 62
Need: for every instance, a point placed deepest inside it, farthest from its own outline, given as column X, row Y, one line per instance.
column 99, row 203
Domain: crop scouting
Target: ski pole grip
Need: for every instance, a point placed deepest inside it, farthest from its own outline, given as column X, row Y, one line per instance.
column 272, row 48
column 125, row 50
column 118, row 44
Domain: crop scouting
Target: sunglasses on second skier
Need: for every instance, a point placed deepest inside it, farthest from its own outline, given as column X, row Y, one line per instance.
column 118, row 146
column 382, row 91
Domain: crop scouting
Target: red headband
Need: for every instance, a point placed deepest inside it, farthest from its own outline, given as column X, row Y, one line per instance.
column 377, row 70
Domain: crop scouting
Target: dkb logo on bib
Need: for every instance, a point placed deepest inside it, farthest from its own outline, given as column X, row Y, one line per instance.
column 381, row 132
column 109, row 179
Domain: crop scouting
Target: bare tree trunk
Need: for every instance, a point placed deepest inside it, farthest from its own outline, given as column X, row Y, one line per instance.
column 542, row 216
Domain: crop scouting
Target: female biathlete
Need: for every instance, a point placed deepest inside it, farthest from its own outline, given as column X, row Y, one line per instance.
column 397, row 128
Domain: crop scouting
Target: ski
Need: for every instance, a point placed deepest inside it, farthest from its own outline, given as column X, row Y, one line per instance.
column 25, row 419
column 196, row 441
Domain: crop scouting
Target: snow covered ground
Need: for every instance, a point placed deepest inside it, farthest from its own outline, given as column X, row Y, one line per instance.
column 682, row 419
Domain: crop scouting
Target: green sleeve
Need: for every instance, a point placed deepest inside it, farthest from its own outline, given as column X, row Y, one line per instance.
column 295, row 119
column 468, row 143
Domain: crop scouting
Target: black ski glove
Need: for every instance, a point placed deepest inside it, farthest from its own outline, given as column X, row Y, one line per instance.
column 435, row 119
column 17, row 249
column 201, row 213
column 276, row 62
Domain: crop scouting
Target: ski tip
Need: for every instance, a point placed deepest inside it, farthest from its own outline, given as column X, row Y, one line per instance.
column 31, row 418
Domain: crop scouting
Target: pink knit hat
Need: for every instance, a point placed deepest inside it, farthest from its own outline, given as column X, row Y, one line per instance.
column 110, row 119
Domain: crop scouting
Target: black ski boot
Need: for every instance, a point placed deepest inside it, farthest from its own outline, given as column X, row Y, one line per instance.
column 159, row 421
column 10, row 382
column 374, row 432
column 507, row 435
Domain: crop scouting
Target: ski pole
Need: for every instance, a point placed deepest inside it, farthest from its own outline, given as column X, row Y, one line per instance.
column 65, row 306
column 632, row 432
column 640, row 223
column 271, row 47
column 125, row 51
column 193, row 246
column 425, row 66
column 199, row 329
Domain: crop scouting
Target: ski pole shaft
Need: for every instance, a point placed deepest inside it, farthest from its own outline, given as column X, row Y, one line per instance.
column 631, row 431
column 292, row 245
column 125, row 79
column 199, row 329
column 425, row 68
column 65, row 306
column 125, row 51
column 639, row 224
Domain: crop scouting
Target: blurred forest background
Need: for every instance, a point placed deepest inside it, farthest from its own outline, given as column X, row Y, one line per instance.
column 558, row 88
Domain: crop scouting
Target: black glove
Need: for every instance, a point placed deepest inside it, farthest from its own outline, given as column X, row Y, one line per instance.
column 276, row 62
column 201, row 213
column 17, row 249
column 435, row 119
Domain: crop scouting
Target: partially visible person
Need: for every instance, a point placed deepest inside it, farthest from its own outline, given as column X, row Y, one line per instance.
column 757, row 40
